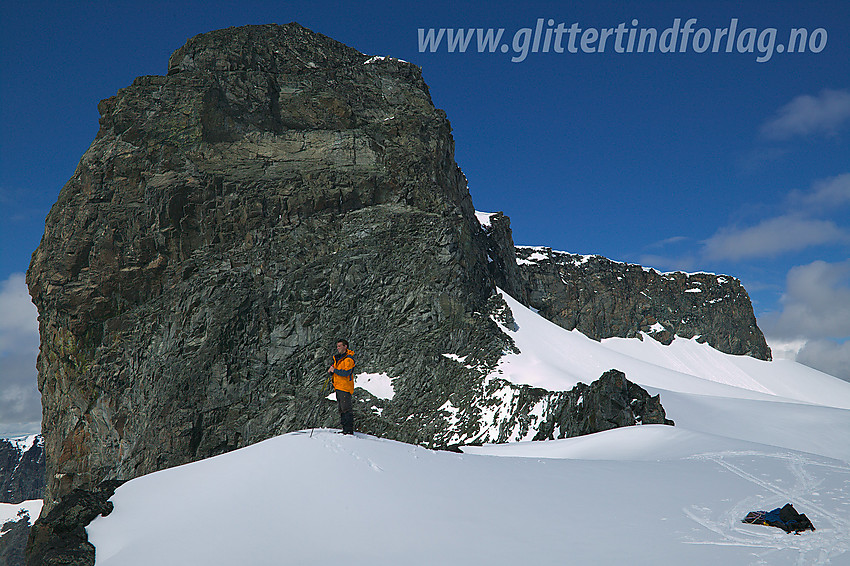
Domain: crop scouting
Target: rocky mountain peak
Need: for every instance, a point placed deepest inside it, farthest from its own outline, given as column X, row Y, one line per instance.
column 268, row 48
column 275, row 191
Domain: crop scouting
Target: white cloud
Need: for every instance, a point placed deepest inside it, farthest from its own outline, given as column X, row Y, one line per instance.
column 20, row 401
column 812, row 218
column 825, row 195
column 669, row 241
column 783, row 349
column 823, row 114
column 772, row 237
column 816, row 303
column 827, row 356
column 19, row 318
column 814, row 325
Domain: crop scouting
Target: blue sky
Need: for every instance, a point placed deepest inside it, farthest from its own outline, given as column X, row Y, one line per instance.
column 696, row 161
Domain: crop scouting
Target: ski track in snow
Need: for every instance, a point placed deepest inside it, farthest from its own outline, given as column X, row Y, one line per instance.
column 335, row 446
column 689, row 505
column 832, row 537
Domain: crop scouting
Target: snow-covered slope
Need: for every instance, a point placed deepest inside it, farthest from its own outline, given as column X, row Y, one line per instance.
column 749, row 435
column 555, row 359
column 13, row 511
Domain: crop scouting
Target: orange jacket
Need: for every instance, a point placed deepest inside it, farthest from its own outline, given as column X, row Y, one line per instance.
column 344, row 371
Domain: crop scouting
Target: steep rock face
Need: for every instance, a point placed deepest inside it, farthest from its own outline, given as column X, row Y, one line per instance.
column 21, row 470
column 21, row 479
column 275, row 191
column 501, row 254
column 603, row 298
column 13, row 540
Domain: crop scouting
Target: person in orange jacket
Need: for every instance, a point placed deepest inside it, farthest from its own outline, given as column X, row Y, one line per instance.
column 342, row 369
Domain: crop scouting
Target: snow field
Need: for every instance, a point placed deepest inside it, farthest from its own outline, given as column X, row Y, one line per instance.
column 557, row 359
column 9, row 511
column 301, row 500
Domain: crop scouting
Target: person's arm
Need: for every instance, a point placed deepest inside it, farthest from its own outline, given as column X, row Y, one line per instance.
column 345, row 368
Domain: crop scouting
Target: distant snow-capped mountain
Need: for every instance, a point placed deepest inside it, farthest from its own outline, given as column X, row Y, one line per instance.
column 21, row 468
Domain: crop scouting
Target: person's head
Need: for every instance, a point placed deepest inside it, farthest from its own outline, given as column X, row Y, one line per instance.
column 342, row 346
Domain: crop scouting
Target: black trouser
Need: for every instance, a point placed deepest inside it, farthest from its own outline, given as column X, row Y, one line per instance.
column 346, row 416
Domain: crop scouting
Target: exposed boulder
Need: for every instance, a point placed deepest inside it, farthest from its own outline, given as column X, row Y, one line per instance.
column 60, row 538
column 498, row 411
column 604, row 298
column 611, row 401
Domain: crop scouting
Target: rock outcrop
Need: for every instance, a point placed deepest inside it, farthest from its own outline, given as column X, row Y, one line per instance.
column 275, row 191
column 499, row 411
column 502, row 256
column 21, row 479
column 603, row 298
column 59, row 537
column 611, row 401
column 21, row 469
column 13, row 540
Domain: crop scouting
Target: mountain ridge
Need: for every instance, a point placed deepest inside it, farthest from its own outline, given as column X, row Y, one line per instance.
column 604, row 298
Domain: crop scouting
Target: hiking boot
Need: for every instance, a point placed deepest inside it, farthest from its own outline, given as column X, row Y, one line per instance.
column 347, row 422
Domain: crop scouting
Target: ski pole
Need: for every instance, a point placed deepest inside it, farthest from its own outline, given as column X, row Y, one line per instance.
column 318, row 404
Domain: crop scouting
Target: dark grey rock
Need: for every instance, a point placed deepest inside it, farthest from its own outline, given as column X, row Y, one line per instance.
column 498, row 411
column 13, row 540
column 21, row 472
column 604, row 298
column 611, row 401
column 229, row 222
column 502, row 257
column 59, row 537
